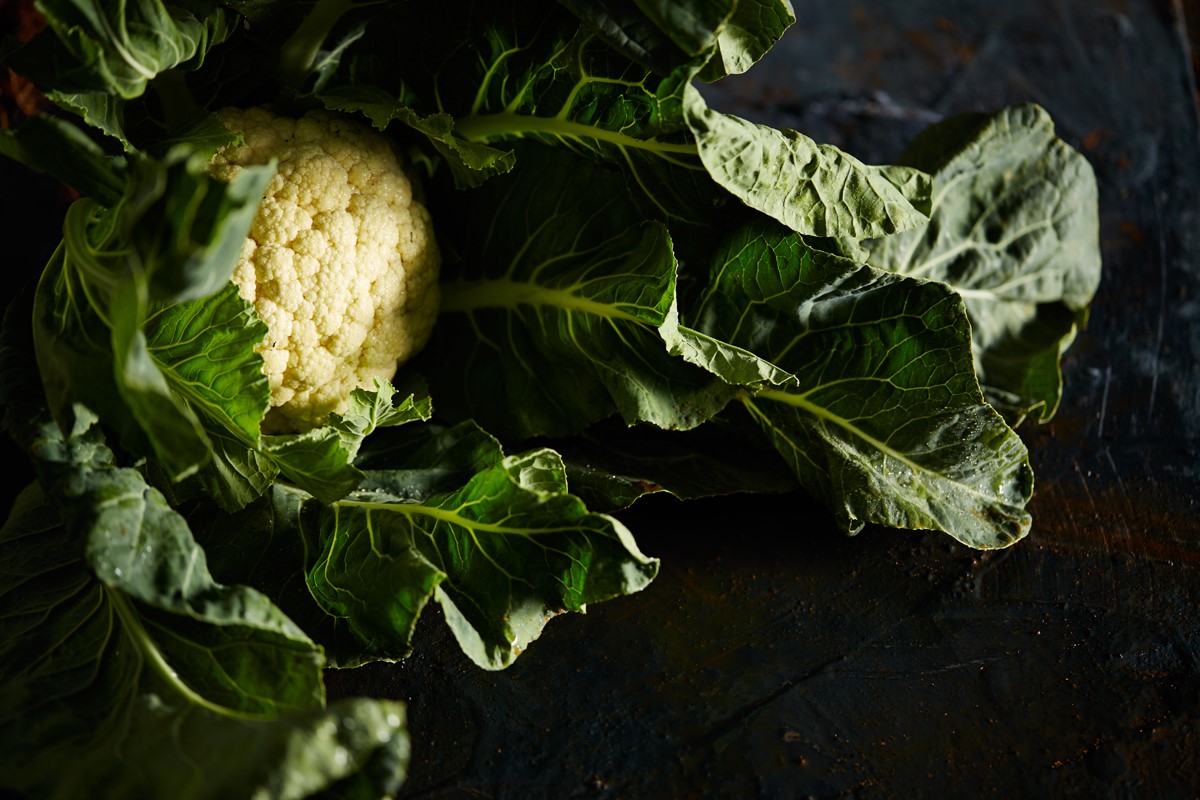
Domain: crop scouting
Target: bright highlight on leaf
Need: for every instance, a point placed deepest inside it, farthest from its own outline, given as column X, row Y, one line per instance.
column 812, row 188
column 883, row 418
column 501, row 555
column 1014, row 230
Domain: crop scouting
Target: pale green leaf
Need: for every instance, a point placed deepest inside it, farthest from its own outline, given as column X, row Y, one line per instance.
column 812, row 188
column 1015, row 231
column 751, row 30
column 884, row 420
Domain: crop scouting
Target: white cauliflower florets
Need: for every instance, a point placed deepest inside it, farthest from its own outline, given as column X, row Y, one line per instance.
column 341, row 261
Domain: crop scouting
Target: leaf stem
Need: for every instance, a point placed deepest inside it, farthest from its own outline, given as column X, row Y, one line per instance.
column 506, row 124
column 299, row 52
column 145, row 644
column 178, row 106
column 468, row 296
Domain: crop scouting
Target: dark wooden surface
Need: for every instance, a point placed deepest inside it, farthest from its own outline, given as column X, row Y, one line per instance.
column 775, row 658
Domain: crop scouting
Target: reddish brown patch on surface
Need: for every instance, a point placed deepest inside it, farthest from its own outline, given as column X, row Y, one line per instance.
column 18, row 97
column 20, row 18
column 1132, row 231
column 1094, row 139
column 942, row 44
column 1103, row 517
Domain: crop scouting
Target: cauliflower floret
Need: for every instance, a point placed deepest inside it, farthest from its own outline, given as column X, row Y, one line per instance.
column 341, row 261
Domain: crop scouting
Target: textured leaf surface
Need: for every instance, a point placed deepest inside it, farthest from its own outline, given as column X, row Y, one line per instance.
column 321, row 461
column 496, row 540
column 501, row 555
column 884, row 420
column 812, row 188
column 553, row 321
column 121, row 657
column 544, row 77
column 103, row 55
column 142, row 291
column 63, row 151
column 73, row 346
column 470, row 162
column 174, row 237
column 204, row 352
column 749, row 32
column 661, row 36
column 281, row 531
column 116, row 48
column 183, row 228
column 1014, row 229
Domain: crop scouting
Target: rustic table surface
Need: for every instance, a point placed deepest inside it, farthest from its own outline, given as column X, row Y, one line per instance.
column 775, row 658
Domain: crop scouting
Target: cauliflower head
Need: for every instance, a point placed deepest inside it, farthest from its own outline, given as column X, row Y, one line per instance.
column 341, row 261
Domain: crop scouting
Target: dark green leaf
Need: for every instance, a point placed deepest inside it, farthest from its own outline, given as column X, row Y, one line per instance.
column 204, row 134
column 438, row 458
column 61, row 150
column 235, row 474
column 471, row 163
column 186, row 228
column 170, row 424
column 257, row 11
column 117, row 48
column 93, row 59
column 71, row 345
column 693, row 26
column 120, row 656
column 277, row 537
column 150, row 367
column 661, row 36
column 321, row 461
column 611, row 467
column 529, row 76
column 884, row 420
column 496, row 540
column 327, row 61
column 371, row 410
column 553, row 321
column 501, row 555
column 103, row 111
column 205, row 350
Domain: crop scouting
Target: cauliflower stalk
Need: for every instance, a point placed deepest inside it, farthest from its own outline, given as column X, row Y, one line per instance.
column 341, row 261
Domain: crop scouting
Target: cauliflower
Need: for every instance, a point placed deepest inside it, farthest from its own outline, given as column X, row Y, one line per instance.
column 341, row 262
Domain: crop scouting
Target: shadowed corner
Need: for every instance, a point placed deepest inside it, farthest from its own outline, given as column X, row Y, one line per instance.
column 31, row 213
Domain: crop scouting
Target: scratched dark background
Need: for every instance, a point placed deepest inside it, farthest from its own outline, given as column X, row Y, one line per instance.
column 773, row 657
